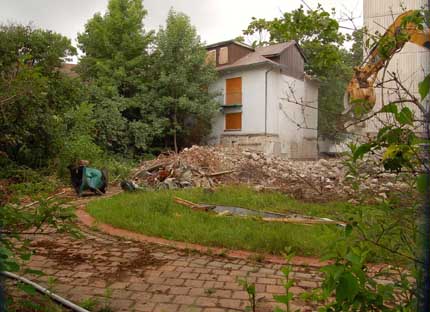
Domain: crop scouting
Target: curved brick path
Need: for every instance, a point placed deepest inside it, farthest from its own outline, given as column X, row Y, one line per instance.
column 144, row 277
column 138, row 276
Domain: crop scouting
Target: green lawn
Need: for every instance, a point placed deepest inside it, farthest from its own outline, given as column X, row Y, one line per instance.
column 154, row 213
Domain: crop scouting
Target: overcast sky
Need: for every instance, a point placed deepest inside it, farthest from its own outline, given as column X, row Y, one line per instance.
column 215, row 20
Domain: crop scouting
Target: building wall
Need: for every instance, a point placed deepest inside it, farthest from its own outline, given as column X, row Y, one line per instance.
column 294, row 61
column 235, row 52
column 252, row 103
column 280, row 136
column 297, row 123
column 411, row 64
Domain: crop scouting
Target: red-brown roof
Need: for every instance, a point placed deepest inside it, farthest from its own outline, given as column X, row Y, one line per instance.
column 68, row 69
column 259, row 55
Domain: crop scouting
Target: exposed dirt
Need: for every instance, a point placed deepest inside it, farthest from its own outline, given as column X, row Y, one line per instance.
column 73, row 256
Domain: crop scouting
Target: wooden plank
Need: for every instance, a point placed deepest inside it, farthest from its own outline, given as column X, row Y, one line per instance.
column 302, row 221
column 190, row 204
column 216, row 174
column 233, row 121
column 233, row 91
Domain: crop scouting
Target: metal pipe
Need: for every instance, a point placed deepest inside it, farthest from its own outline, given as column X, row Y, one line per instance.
column 265, row 100
column 45, row 291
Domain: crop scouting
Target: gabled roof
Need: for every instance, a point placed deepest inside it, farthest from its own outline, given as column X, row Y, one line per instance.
column 68, row 70
column 248, row 60
column 257, row 56
column 277, row 49
column 274, row 49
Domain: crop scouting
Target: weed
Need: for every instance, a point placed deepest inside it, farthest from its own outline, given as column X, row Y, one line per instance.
column 107, row 296
column 258, row 258
column 250, row 290
column 288, row 283
column 90, row 304
column 223, row 253
column 95, row 228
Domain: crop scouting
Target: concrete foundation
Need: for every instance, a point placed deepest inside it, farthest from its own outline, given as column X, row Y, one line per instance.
column 271, row 144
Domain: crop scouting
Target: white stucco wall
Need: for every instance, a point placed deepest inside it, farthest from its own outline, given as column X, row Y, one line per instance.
column 281, row 136
column 252, row 103
column 298, row 123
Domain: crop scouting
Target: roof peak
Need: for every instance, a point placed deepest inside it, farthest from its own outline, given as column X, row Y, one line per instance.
column 221, row 43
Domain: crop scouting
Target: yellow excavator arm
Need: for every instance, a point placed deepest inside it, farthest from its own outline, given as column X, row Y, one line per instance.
column 360, row 89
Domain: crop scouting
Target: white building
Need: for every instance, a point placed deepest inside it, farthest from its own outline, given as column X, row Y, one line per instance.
column 411, row 64
column 266, row 101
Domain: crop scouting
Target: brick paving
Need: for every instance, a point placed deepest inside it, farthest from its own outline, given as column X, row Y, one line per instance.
column 136, row 276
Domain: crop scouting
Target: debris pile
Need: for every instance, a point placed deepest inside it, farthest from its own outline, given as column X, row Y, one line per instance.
column 209, row 166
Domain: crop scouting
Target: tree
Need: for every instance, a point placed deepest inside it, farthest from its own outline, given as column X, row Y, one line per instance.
column 117, row 66
column 34, row 94
column 183, row 76
column 317, row 32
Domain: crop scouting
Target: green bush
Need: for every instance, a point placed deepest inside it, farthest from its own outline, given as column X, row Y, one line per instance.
column 118, row 168
column 82, row 147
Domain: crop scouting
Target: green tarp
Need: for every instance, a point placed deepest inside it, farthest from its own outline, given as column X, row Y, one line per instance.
column 91, row 178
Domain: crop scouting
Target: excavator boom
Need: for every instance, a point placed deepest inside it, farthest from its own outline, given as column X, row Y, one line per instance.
column 360, row 89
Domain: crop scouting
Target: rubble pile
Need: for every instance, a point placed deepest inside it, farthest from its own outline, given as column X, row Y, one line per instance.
column 319, row 180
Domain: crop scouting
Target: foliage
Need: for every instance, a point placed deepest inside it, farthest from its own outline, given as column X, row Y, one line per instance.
column 180, row 87
column 355, row 285
column 117, row 66
column 250, row 290
column 28, row 299
column 357, row 56
column 89, row 303
column 15, row 220
column 286, row 298
column 317, row 32
column 33, row 93
column 398, row 148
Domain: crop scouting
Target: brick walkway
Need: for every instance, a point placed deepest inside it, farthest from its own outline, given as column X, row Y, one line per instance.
column 135, row 276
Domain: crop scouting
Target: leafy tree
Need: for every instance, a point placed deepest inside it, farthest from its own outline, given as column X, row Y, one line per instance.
column 33, row 93
column 117, row 66
column 317, row 32
column 357, row 48
column 180, row 87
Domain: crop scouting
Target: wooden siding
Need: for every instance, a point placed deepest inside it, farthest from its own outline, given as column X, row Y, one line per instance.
column 234, row 53
column 294, row 62
column 233, row 91
column 211, row 57
column 223, row 56
column 233, row 121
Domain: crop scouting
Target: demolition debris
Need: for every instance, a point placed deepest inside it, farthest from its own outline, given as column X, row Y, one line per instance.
column 211, row 166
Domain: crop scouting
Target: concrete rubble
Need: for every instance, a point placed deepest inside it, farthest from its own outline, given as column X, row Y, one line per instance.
column 319, row 180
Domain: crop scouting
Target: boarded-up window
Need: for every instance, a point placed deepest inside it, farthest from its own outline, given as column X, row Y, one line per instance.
column 211, row 57
column 223, row 56
column 233, row 93
column 233, row 121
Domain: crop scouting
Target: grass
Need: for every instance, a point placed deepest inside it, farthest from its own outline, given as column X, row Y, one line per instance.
column 154, row 213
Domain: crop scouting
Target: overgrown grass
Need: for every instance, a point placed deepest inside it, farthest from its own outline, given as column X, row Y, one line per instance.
column 154, row 213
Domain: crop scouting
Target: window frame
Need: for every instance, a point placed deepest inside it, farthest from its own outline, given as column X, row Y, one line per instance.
column 228, row 97
column 240, row 121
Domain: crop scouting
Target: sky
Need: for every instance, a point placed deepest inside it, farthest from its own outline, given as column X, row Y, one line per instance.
column 215, row 20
